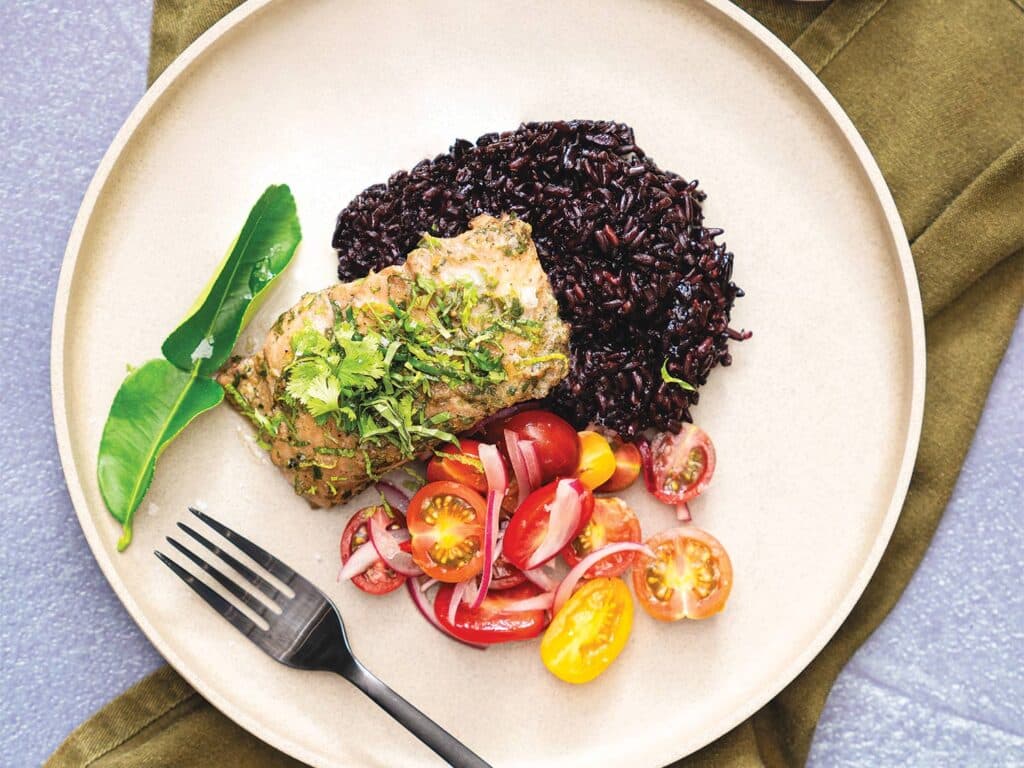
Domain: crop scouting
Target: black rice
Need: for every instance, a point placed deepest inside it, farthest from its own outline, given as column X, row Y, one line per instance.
column 637, row 275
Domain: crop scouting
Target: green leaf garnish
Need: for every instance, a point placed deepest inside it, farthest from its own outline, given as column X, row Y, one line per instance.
column 668, row 378
column 159, row 399
column 260, row 253
column 150, row 409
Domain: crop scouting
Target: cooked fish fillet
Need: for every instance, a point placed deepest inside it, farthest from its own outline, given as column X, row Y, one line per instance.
column 359, row 378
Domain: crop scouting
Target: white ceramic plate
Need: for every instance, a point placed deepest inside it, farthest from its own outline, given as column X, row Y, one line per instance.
column 816, row 423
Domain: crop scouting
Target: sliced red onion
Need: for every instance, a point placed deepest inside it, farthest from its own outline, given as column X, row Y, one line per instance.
column 393, row 495
column 497, row 485
column 457, row 593
column 387, row 547
column 565, row 589
column 427, row 611
column 358, row 562
column 648, row 462
column 494, row 499
column 542, row 602
column 564, row 518
column 541, row 578
column 515, row 455
column 683, row 512
column 494, row 468
column 400, row 535
column 426, row 584
column 471, row 592
column 529, row 450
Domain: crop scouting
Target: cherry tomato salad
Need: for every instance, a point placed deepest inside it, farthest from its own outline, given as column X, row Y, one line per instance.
column 494, row 515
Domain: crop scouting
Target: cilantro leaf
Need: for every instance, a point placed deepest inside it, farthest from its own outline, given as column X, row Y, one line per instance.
column 310, row 341
column 363, row 363
column 311, row 382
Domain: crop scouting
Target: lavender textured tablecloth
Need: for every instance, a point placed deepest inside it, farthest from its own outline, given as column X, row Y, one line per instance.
column 940, row 683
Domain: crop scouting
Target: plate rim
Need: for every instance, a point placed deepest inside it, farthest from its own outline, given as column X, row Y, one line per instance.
column 282, row 741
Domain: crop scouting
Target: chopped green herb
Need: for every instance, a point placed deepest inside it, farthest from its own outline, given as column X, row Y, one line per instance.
column 267, row 427
column 668, row 378
column 461, row 458
column 545, row 358
column 368, row 372
column 414, row 474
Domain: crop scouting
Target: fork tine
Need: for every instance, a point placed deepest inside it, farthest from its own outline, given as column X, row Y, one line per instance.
column 260, row 555
column 257, row 607
column 239, row 620
column 241, row 568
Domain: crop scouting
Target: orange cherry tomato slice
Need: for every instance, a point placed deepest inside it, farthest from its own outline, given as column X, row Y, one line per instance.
column 689, row 577
column 446, row 522
column 613, row 521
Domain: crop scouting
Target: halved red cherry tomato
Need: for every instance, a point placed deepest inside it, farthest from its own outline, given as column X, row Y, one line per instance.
column 612, row 521
column 446, row 521
column 689, row 578
column 378, row 579
column 628, row 464
column 492, row 622
column 597, row 462
column 558, row 445
column 460, row 465
column 679, row 467
column 529, row 525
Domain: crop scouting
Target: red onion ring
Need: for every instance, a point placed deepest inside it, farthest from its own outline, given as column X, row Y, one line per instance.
column 387, row 547
column 393, row 495
column 683, row 512
column 565, row 589
column 494, row 499
column 472, row 590
column 494, row 468
column 497, row 484
column 541, row 602
column 427, row 611
column 541, row 578
column 457, row 592
column 515, row 455
column 564, row 519
column 360, row 561
column 528, row 448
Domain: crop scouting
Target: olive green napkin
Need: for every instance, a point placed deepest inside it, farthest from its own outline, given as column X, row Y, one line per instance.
column 935, row 89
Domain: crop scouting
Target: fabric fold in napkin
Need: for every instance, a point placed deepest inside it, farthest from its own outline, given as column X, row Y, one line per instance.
column 934, row 88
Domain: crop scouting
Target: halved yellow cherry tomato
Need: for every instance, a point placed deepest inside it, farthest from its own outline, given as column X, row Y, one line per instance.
column 589, row 632
column 597, row 461
column 689, row 577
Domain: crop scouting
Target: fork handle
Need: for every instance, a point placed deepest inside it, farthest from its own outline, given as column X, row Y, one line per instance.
column 453, row 751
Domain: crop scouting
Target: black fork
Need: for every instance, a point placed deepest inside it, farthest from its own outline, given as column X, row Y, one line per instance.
column 308, row 633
